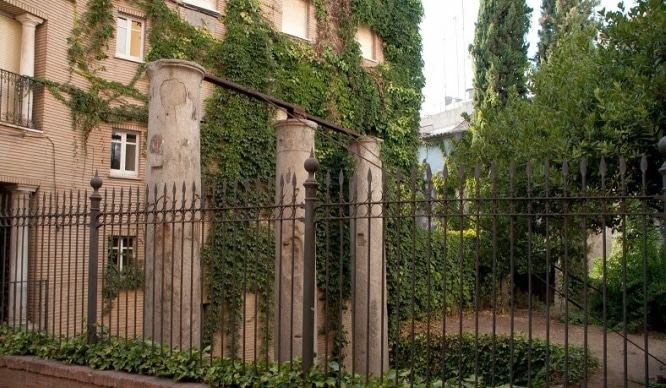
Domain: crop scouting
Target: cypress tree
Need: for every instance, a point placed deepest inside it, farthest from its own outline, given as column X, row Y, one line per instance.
column 547, row 31
column 500, row 51
column 561, row 16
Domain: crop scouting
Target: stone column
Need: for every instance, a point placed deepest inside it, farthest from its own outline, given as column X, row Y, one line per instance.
column 27, row 67
column 369, row 311
column 172, row 296
column 295, row 140
column 18, row 255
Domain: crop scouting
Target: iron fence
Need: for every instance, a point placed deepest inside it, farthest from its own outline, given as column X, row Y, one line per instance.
column 533, row 276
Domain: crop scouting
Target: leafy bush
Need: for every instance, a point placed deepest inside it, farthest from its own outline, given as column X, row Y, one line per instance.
column 142, row 356
column 435, row 356
column 492, row 360
column 629, row 260
column 433, row 275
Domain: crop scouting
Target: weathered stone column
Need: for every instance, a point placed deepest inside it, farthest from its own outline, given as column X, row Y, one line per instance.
column 295, row 140
column 18, row 255
column 172, row 296
column 369, row 311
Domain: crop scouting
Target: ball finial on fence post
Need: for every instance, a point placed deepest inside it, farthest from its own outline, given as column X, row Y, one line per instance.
column 311, row 164
column 96, row 181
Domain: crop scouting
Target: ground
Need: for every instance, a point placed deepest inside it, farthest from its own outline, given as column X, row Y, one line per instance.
column 560, row 333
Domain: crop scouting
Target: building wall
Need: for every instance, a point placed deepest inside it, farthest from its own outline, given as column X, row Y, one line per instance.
column 55, row 162
column 53, row 156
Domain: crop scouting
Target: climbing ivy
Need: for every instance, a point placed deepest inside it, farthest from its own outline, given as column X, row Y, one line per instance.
column 326, row 78
column 102, row 100
column 115, row 280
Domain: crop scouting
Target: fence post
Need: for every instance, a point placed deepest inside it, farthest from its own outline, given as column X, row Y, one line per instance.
column 95, row 199
column 311, row 166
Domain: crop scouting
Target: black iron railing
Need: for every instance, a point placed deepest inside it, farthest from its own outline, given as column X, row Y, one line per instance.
column 488, row 282
column 16, row 99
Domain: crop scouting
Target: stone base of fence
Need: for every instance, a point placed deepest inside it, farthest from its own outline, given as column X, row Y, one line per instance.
column 28, row 372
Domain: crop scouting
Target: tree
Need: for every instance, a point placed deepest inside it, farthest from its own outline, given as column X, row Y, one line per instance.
column 601, row 94
column 561, row 16
column 500, row 51
column 547, row 31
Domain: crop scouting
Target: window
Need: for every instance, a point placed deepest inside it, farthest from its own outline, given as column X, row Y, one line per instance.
column 367, row 40
column 122, row 252
column 295, row 15
column 129, row 38
column 205, row 4
column 124, row 154
column 10, row 38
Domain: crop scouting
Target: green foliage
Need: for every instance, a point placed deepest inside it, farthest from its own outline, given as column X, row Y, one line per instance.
column 561, row 17
column 102, row 100
column 500, row 51
column 592, row 99
column 547, row 31
column 240, row 260
column 589, row 100
column 172, row 37
column 494, row 360
column 238, row 145
column 433, row 275
column 141, row 356
column 115, row 280
column 636, row 266
column 631, row 92
column 90, row 36
column 237, row 139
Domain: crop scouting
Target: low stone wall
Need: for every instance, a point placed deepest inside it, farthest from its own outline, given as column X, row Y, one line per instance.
column 29, row 372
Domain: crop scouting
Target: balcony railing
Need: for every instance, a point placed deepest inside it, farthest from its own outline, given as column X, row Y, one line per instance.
column 16, row 99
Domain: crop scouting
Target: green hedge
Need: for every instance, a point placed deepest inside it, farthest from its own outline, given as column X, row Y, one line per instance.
column 634, row 276
column 439, row 358
column 492, row 359
column 432, row 274
column 141, row 356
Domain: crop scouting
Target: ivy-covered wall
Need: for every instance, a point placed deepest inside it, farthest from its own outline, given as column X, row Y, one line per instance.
column 325, row 77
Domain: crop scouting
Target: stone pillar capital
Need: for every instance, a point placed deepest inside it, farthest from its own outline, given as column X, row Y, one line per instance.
column 294, row 122
column 22, row 189
column 29, row 20
column 180, row 64
column 369, row 139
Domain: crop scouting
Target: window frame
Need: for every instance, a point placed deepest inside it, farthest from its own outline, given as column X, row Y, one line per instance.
column 306, row 20
column 122, row 172
column 123, row 251
column 210, row 5
column 128, row 37
column 373, row 41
